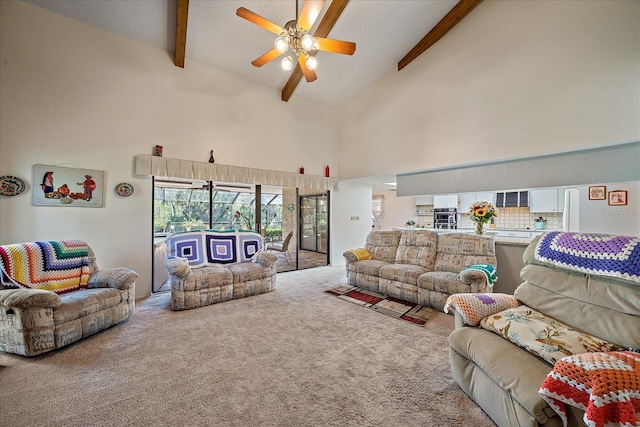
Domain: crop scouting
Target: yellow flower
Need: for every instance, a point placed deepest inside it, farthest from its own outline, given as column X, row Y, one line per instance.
column 481, row 212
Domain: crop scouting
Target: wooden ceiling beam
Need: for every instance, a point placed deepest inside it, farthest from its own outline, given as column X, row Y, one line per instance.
column 182, row 15
column 449, row 21
column 329, row 19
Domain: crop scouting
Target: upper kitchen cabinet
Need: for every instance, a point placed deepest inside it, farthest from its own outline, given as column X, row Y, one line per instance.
column 512, row 199
column 547, row 200
column 424, row 200
column 466, row 199
column 445, row 201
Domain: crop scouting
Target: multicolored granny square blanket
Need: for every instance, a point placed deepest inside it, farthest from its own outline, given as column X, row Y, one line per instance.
column 598, row 254
column 605, row 385
column 475, row 307
column 58, row 266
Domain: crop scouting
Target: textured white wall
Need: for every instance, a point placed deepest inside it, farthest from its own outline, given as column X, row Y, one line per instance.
column 74, row 95
column 352, row 200
column 513, row 79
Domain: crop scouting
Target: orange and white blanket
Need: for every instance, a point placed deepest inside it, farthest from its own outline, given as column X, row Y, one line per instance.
column 605, row 385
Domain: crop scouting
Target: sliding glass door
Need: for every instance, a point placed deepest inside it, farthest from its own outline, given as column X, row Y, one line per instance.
column 314, row 224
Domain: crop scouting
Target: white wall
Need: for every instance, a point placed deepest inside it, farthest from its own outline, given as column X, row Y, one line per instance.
column 596, row 216
column 397, row 210
column 352, row 200
column 513, row 79
column 74, row 95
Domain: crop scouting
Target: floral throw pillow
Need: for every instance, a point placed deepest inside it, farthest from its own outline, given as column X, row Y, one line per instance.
column 542, row 335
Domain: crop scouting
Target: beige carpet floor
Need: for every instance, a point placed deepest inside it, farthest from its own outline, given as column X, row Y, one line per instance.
column 293, row 357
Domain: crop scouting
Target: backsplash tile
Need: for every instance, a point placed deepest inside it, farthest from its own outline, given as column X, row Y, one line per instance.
column 517, row 218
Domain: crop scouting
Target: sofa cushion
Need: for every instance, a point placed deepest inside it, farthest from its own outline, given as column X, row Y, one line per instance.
column 85, row 302
column 370, row 267
column 405, row 273
column 247, row 271
column 188, row 246
column 457, row 251
column 501, row 361
column 418, row 247
column 444, row 282
column 383, row 245
column 543, row 336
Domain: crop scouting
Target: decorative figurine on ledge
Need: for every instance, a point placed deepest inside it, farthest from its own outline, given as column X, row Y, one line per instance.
column 157, row 150
column 211, row 159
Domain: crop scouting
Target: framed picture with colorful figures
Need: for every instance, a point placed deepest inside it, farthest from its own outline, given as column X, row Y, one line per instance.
column 598, row 192
column 617, row 198
column 67, row 187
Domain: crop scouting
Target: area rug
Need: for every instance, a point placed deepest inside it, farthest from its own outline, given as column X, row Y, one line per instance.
column 384, row 304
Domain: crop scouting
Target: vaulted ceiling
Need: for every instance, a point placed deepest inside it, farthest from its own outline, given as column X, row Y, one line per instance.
column 389, row 34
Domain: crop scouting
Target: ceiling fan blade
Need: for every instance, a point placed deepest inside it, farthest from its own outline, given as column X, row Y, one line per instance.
column 309, row 13
column 259, row 20
column 267, row 57
column 309, row 75
column 336, row 46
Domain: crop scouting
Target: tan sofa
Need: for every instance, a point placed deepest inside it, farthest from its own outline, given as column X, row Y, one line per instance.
column 421, row 266
column 207, row 267
column 601, row 313
column 34, row 321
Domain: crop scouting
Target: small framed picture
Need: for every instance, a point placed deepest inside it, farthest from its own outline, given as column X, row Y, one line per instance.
column 598, row 192
column 617, row 198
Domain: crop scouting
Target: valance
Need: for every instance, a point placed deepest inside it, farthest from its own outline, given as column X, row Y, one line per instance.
column 177, row 168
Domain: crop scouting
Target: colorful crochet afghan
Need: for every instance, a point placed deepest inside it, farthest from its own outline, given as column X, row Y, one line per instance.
column 475, row 307
column 598, row 254
column 488, row 270
column 58, row 266
column 605, row 385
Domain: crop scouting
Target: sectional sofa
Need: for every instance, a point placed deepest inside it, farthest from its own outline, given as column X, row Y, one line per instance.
column 421, row 266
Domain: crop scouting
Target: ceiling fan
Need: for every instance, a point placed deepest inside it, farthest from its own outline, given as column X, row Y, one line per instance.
column 295, row 37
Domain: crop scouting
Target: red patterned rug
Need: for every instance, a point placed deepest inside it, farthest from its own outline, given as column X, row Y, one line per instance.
column 384, row 304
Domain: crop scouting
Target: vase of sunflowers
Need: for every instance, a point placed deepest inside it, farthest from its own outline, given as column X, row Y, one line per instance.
column 481, row 213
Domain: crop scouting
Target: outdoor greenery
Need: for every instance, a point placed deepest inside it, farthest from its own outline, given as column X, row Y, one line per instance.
column 177, row 210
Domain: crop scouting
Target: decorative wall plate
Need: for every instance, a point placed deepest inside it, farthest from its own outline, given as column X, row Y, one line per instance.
column 124, row 189
column 11, row 185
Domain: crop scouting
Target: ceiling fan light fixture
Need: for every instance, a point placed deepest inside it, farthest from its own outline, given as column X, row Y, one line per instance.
column 281, row 44
column 311, row 62
column 287, row 63
column 307, row 41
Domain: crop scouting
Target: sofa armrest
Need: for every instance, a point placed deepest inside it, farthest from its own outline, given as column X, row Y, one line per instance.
column 27, row 298
column 357, row 254
column 474, row 307
column 266, row 259
column 178, row 267
column 480, row 276
column 119, row 278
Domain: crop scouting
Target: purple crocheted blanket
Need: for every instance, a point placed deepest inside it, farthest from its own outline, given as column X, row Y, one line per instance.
column 598, row 254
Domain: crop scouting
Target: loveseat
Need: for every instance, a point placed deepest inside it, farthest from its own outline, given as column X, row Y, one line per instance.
column 53, row 294
column 211, row 266
column 421, row 266
column 518, row 356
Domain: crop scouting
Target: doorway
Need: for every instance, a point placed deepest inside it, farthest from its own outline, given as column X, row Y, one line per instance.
column 314, row 226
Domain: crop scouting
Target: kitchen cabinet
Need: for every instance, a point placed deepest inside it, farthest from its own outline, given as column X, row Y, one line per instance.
column 512, row 199
column 445, row 201
column 547, row 200
column 424, row 200
column 466, row 199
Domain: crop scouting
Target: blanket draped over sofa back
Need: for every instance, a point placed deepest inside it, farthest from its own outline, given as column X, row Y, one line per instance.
column 599, row 254
column 206, row 247
column 58, row 266
column 612, row 303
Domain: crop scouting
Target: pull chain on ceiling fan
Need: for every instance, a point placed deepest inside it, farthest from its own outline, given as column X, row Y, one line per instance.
column 295, row 37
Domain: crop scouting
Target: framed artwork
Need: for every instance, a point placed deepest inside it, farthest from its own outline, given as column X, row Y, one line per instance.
column 598, row 192
column 617, row 198
column 67, row 187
